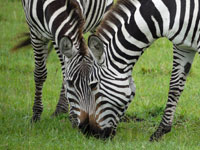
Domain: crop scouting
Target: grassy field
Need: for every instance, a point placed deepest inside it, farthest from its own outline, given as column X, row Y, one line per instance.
column 151, row 74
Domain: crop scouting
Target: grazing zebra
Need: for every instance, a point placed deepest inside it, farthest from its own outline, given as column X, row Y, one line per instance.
column 52, row 20
column 100, row 85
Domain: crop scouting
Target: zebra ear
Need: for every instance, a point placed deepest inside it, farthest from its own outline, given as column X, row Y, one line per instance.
column 97, row 48
column 65, row 46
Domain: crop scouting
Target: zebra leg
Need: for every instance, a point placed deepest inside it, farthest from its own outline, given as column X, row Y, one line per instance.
column 62, row 106
column 182, row 61
column 40, row 75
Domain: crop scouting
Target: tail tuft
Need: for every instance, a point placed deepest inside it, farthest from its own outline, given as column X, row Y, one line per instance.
column 23, row 43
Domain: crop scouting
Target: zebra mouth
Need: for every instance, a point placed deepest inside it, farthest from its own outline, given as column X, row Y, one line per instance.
column 107, row 133
column 95, row 131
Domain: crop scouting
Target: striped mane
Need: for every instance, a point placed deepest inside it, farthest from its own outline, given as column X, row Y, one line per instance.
column 116, row 8
column 78, row 16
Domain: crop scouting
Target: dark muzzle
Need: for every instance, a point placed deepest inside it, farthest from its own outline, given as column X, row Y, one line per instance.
column 90, row 127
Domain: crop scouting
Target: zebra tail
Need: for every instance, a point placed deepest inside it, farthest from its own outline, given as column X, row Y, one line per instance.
column 27, row 42
column 23, row 43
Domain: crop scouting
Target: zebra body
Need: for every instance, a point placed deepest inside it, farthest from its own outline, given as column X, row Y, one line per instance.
column 51, row 20
column 128, row 29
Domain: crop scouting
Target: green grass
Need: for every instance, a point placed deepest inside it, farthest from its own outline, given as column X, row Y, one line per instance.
column 151, row 74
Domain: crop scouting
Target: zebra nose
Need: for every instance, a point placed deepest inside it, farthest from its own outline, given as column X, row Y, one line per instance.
column 84, row 122
column 84, row 127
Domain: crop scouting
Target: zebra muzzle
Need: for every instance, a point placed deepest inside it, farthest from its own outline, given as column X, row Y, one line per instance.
column 90, row 127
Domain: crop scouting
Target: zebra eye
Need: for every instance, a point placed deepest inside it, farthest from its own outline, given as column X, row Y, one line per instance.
column 93, row 86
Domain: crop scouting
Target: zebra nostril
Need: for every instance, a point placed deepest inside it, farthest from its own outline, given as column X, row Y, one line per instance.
column 84, row 126
column 84, row 122
column 84, row 129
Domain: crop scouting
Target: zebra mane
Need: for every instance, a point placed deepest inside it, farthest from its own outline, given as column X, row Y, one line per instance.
column 110, row 16
column 74, row 5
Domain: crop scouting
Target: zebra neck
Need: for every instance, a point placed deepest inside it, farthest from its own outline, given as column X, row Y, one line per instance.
column 131, row 26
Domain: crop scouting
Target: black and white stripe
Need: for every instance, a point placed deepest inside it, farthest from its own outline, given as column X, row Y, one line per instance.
column 94, row 12
column 129, row 28
column 51, row 20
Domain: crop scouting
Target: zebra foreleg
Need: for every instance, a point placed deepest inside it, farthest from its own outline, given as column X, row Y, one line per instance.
column 62, row 106
column 182, row 62
column 40, row 75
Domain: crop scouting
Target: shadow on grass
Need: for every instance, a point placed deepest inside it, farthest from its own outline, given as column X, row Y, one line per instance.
column 154, row 117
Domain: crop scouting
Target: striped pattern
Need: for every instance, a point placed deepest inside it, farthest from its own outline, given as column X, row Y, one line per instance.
column 94, row 11
column 51, row 20
column 128, row 29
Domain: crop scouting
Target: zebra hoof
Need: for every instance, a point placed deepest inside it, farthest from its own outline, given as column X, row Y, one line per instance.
column 35, row 119
column 159, row 133
column 155, row 137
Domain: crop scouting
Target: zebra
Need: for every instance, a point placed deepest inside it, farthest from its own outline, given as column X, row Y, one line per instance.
column 52, row 20
column 100, row 85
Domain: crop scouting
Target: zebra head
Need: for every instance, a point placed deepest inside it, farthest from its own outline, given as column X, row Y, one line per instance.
column 97, row 96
